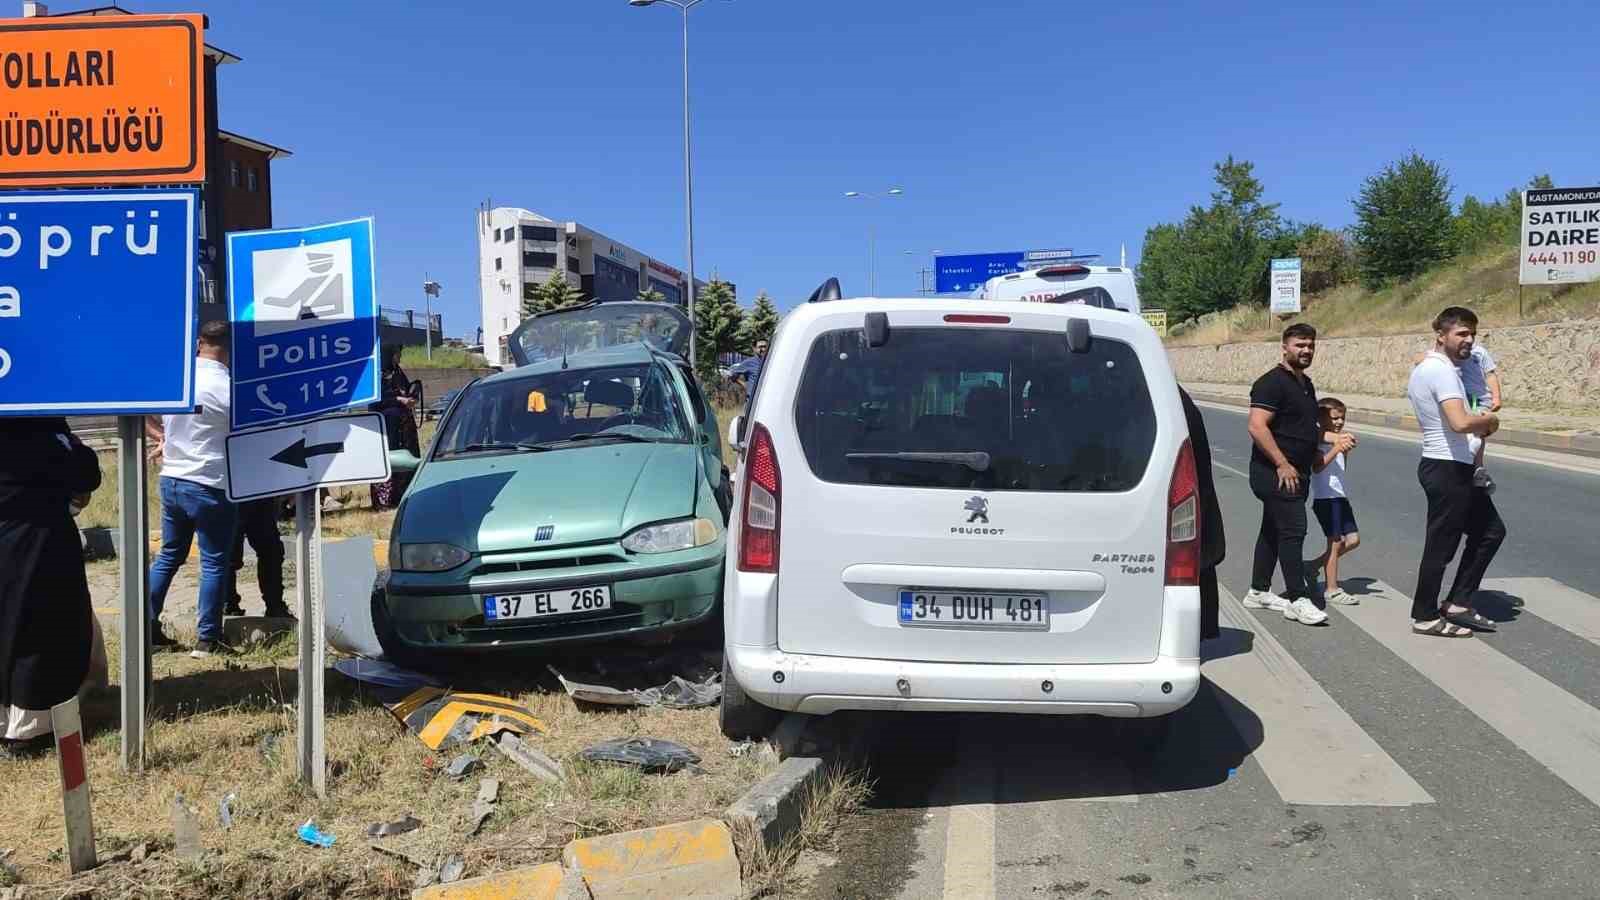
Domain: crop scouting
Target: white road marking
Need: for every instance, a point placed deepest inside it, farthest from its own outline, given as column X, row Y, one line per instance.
column 1544, row 721
column 969, row 840
column 1566, row 608
column 1566, row 462
column 1227, row 468
column 1311, row 750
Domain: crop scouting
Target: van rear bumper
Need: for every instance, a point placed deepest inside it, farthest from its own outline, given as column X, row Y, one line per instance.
column 826, row 684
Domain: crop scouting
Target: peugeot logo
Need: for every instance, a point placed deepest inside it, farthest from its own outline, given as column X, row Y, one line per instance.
column 979, row 507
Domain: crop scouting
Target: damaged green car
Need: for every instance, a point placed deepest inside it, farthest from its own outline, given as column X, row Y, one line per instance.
column 580, row 496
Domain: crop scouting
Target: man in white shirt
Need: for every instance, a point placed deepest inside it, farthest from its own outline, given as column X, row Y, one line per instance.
column 1457, row 507
column 194, row 497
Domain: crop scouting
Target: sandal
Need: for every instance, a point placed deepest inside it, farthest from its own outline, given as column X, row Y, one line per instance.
column 1441, row 628
column 1469, row 619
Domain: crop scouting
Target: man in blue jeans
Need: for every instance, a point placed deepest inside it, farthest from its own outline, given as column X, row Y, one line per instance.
column 194, row 497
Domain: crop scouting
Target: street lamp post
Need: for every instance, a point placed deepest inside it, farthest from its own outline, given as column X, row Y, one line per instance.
column 872, row 251
column 688, row 170
column 430, row 290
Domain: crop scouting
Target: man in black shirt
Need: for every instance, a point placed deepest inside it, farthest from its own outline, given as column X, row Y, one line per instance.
column 1284, row 433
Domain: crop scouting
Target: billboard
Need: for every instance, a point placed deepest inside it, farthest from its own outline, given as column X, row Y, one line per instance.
column 1284, row 289
column 103, row 100
column 1560, row 236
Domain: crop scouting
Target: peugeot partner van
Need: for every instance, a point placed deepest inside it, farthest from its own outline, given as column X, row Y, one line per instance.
column 962, row 505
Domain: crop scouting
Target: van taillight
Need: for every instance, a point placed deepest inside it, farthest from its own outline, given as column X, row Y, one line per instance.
column 1183, row 520
column 758, row 538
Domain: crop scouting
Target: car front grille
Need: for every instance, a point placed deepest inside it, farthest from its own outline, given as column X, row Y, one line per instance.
column 554, row 563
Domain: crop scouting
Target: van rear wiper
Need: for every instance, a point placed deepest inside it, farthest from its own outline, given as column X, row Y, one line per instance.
column 976, row 460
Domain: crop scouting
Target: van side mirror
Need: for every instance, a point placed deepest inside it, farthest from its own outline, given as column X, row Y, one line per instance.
column 403, row 461
column 736, row 433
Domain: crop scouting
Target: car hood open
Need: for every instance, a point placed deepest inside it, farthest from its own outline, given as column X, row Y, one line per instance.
column 586, row 494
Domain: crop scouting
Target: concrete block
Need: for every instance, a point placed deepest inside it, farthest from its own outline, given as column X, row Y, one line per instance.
column 533, row 883
column 773, row 807
column 690, row 860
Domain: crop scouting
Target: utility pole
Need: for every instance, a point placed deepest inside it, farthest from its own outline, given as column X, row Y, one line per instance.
column 430, row 290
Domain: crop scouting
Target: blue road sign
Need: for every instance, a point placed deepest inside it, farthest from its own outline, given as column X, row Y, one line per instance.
column 97, row 302
column 305, row 326
column 968, row 272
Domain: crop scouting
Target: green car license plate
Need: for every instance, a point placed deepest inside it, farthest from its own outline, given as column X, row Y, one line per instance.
column 545, row 604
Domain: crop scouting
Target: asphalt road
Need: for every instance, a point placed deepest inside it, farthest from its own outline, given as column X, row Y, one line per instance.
column 1349, row 760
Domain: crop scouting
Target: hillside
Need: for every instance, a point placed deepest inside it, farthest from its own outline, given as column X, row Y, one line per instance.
column 1486, row 282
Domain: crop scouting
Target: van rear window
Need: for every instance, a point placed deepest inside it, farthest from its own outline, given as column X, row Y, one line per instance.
column 975, row 409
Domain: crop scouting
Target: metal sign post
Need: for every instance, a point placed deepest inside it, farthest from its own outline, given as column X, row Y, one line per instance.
column 309, row 735
column 134, row 554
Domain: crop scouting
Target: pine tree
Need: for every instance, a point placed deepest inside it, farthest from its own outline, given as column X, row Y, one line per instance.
column 651, row 295
column 555, row 293
column 759, row 323
column 1404, row 221
column 716, row 319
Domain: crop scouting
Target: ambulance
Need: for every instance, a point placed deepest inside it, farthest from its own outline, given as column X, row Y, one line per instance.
column 1107, row 287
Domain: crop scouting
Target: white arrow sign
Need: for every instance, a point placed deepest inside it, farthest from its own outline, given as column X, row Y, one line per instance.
column 289, row 459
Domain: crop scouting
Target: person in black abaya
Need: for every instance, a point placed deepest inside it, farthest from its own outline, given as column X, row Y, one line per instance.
column 46, row 621
column 1213, row 545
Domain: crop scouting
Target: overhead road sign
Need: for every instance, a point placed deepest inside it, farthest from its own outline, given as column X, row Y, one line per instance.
column 305, row 326
column 1560, row 236
column 97, row 302
column 968, row 271
column 103, row 100
column 1285, row 287
column 289, row 459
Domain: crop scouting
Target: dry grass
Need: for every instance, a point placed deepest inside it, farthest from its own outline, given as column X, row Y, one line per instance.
column 211, row 721
column 769, row 871
column 1487, row 282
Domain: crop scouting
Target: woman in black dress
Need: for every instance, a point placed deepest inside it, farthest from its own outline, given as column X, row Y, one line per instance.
column 398, row 408
column 46, row 621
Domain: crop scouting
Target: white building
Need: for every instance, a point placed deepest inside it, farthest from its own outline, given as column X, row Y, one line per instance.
column 518, row 250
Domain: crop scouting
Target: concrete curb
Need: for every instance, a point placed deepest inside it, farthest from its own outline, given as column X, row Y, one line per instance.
column 1576, row 444
column 772, row 809
column 693, row 860
column 533, row 883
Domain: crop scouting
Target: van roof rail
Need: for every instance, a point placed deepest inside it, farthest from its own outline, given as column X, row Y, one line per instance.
column 829, row 290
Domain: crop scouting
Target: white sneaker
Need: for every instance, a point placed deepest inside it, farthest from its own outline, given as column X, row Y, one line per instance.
column 1305, row 612
column 1340, row 597
column 1254, row 599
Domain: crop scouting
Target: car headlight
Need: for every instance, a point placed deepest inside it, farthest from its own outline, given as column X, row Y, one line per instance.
column 664, row 537
column 431, row 557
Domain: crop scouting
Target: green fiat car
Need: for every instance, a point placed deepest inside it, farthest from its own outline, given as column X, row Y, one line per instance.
column 579, row 496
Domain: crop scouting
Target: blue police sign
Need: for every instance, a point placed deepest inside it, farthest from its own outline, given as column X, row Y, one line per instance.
column 97, row 302
column 305, row 327
column 968, row 271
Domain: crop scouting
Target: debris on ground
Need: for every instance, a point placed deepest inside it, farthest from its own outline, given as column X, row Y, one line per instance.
column 225, row 810
column 462, row 765
column 678, row 693
column 452, row 870
column 533, row 760
column 314, row 836
column 649, row 754
column 389, row 829
column 269, row 744
column 185, row 831
column 741, row 749
column 483, row 806
column 384, row 676
column 442, row 718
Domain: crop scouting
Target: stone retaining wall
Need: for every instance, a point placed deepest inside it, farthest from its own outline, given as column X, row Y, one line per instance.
column 1554, row 366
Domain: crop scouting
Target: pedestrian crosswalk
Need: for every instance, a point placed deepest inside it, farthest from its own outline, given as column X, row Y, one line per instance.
column 1314, row 753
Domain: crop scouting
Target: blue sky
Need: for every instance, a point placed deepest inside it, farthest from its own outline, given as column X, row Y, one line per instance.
column 1010, row 124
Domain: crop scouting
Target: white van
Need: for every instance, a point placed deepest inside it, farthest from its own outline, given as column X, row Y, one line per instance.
column 1070, row 283
column 954, row 505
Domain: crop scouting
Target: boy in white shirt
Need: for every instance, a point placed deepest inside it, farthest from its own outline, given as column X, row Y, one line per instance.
column 1329, row 499
column 1482, row 383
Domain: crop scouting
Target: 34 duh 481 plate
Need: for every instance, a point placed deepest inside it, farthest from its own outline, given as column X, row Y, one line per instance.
column 543, row 604
column 950, row 609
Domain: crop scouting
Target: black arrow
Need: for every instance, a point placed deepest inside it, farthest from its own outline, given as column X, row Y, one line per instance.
column 297, row 453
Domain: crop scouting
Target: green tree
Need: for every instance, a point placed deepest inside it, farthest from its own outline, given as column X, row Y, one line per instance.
column 717, row 317
column 759, row 323
column 1326, row 260
column 1404, row 221
column 556, row 293
column 651, row 295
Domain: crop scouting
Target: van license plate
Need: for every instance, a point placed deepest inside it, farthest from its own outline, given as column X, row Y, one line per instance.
column 542, row 604
column 1026, row 612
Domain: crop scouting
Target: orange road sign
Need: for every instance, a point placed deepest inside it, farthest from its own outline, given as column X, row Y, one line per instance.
column 102, row 100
